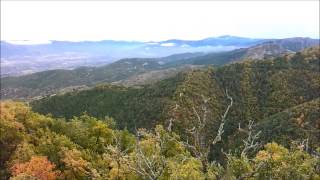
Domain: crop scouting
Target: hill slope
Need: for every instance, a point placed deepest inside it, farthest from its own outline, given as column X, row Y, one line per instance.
column 260, row 90
column 54, row 81
column 272, row 48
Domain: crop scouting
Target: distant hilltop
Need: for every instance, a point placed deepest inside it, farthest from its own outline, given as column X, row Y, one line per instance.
column 20, row 59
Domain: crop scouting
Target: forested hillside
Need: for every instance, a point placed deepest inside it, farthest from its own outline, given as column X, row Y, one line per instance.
column 247, row 120
column 262, row 91
column 124, row 71
column 35, row 146
column 124, row 90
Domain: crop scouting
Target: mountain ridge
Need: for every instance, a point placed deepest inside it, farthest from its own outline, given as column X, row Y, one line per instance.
column 124, row 70
column 20, row 59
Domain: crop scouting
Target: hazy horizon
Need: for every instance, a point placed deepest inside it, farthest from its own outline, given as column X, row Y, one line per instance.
column 30, row 42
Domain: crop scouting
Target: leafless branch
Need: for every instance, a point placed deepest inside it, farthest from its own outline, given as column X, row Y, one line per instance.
column 200, row 146
column 251, row 142
column 169, row 128
column 223, row 119
column 170, row 124
column 198, row 117
column 150, row 166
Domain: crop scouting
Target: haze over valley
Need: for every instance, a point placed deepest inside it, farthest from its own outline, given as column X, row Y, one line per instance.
column 19, row 59
column 68, row 71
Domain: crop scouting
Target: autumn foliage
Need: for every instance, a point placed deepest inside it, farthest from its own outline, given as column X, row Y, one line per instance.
column 39, row 167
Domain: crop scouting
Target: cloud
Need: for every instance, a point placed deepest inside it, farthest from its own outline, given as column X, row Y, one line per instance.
column 167, row 44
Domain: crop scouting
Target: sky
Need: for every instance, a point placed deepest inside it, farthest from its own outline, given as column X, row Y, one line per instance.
column 41, row 21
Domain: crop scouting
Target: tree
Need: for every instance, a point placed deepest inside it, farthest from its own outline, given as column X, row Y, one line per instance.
column 75, row 166
column 38, row 167
column 199, row 145
column 280, row 163
column 12, row 132
column 160, row 155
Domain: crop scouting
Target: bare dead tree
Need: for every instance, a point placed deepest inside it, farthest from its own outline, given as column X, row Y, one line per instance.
column 223, row 120
column 199, row 145
column 120, row 156
column 146, row 165
column 170, row 124
column 169, row 128
column 251, row 142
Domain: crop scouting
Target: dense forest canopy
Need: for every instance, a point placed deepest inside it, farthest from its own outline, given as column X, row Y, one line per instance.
column 260, row 89
column 35, row 146
column 256, row 119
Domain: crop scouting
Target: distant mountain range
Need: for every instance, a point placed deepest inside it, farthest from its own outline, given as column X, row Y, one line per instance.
column 271, row 48
column 139, row 71
column 25, row 59
column 102, row 47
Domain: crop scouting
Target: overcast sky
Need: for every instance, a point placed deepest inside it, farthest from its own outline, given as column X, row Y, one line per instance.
column 40, row 21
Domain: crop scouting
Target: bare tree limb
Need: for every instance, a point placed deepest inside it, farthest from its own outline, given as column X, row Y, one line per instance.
column 169, row 128
column 150, row 166
column 251, row 141
column 220, row 130
column 200, row 147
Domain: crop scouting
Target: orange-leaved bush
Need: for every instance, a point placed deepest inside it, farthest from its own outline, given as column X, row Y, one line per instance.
column 38, row 166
